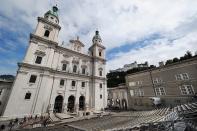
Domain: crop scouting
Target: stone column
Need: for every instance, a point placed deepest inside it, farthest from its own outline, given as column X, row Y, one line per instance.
column 87, row 96
column 77, row 107
column 77, row 96
column 65, row 108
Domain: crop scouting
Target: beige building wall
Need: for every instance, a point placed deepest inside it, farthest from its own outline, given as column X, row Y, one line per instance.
column 117, row 97
column 146, row 84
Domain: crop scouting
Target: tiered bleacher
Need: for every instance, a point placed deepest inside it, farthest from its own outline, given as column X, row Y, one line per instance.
column 178, row 118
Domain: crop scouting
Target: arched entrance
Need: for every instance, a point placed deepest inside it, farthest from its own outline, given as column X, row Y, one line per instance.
column 58, row 104
column 124, row 104
column 81, row 103
column 71, row 103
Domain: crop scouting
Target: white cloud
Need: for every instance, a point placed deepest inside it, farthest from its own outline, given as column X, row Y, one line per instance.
column 158, row 50
column 120, row 22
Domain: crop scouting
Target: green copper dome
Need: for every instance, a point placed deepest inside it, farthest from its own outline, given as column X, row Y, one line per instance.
column 53, row 11
column 97, row 36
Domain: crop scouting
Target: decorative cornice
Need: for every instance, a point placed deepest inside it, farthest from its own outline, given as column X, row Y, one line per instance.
column 96, row 44
column 77, row 41
column 52, row 70
column 33, row 41
column 74, row 52
column 48, row 22
column 33, row 37
column 98, row 58
column 100, row 78
column 59, row 48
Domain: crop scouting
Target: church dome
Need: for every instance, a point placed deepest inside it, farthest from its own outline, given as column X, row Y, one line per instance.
column 53, row 12
column 96, row 37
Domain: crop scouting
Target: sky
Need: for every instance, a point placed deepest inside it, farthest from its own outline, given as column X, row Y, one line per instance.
column 131, row 30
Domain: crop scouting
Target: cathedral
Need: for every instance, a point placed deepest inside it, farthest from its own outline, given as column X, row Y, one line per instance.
column 53, row 78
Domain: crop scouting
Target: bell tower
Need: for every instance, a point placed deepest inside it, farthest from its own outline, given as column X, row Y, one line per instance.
column 99, row 84
column 97, row 49
column 48, row 26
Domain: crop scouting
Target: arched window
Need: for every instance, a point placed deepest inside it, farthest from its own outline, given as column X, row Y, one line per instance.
column 46, row 34
column 74, row 68
column 83, row 70
column 100, row 72
column 100, row 53
column 64, row 67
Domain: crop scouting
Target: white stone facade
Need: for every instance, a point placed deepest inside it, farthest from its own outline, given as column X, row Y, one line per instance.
column 55, row 78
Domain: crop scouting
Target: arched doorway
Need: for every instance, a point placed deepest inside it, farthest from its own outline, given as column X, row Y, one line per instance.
column 81, row 103
column 58, row 104
column 71, row 103
column 124, row 104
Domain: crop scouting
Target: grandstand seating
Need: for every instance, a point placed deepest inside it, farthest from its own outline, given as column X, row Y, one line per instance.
column 158, row 119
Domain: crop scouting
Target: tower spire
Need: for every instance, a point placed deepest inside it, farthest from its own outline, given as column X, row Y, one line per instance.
column 97, row 38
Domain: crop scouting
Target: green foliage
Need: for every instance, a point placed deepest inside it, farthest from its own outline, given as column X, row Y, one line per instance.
column 175, row 59
column 7, row 77
column 152, row 66
column 134, row 70
column 169, row 62
column 115, row 78
column 187, row 55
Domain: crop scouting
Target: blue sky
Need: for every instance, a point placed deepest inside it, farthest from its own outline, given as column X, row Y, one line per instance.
column 133, row 30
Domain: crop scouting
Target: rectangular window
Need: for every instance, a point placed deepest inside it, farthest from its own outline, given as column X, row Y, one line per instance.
column 141, row 92
column 83, row 70
column 32, row 79
column 74, row 68
column 38, row 60
column 132, row 83
column 178, row 77
column 131, row 92
column 82, row 84
column 61, row 82
column 101, row 96
column 185, row 76
column 1, row 91
column 138, row 92
column 73, row 83
column 157, row 80
column 138, row 82
column 101, row 85
column 160, row 91
column 27, row 96
column 187, row 90
column 64, row 67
